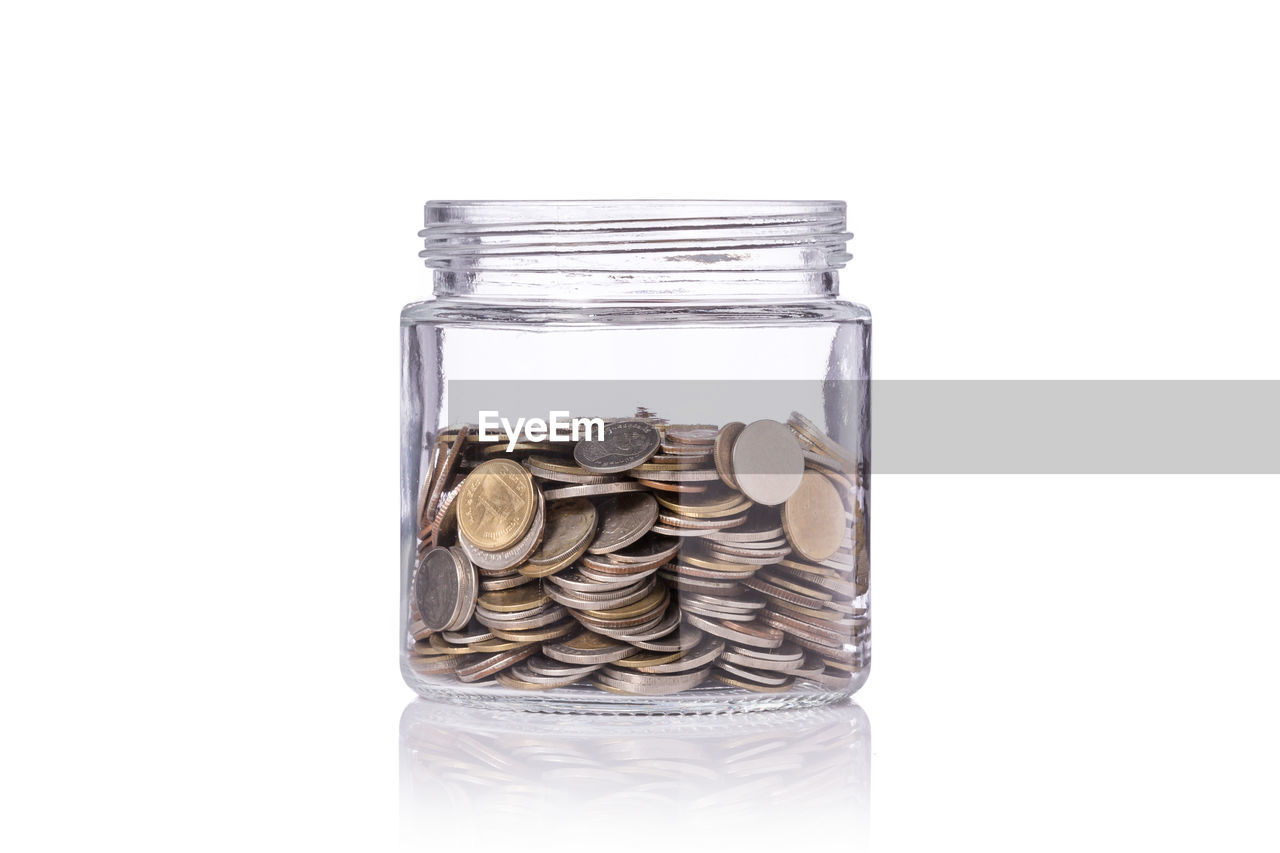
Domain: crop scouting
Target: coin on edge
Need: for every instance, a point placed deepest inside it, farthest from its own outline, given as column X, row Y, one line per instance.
column 446, row 589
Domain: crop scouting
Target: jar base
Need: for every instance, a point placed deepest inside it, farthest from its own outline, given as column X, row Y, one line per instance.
column 589, row 700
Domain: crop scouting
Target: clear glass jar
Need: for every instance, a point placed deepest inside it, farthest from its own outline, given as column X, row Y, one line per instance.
column 635, row 458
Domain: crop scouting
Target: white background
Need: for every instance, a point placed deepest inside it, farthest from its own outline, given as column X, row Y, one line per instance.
column 209, row 216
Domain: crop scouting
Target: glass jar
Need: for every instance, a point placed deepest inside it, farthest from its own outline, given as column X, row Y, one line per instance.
column 635, row 458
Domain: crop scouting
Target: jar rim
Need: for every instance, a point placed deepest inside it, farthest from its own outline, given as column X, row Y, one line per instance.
column 635, row 235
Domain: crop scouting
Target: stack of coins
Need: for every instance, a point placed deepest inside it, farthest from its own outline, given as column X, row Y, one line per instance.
column 656, row 559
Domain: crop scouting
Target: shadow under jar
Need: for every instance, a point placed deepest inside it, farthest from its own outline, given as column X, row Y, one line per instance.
column 635, row 458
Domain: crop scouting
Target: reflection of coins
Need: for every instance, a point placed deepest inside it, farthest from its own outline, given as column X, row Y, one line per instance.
column 767, row 462
column 497, row 504
column 625, row 445
column 813, row 518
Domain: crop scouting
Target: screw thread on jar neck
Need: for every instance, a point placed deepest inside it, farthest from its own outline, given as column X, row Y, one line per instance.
column 635, row 249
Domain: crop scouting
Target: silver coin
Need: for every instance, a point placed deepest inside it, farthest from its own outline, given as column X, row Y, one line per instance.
column 522, row 621
column 592, row 490
column 747, row 601
column 473, row 632
column 539, row 466
column 524, row 672
column 647, row 684
column 625, row 445
column 649, row 549
column 810, row 667
column 552, row 668
column 446, row 590
column 606, row 600
column 704, row 652
column 700, row 584
column 677, row 475
column 788, row 667
column 832, row 679
column 756, row 638
column 768, row 462
column 574, row 581
column 601, row 577
column 510, row 581
column 784, row 653
column 657, row 636
column 623, row 520
column 713, row 612
column 755, row 676
column 689, row 532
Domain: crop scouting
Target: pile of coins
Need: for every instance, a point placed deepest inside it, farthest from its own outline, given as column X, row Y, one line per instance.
column 653, row 560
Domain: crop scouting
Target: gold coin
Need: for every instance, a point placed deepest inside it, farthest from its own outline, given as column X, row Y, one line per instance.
column 742, row 683
column 525, row 597
column 714, row 505
column 723, row 453
column 497, row 504
column 814, row 519
column 496, row 644
column 538, row 635
column 642, row 659
column 631, row 611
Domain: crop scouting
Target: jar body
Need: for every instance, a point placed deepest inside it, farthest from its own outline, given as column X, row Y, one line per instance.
column 615, row 503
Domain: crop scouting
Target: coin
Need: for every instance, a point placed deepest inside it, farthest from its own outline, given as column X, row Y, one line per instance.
column 448, row 465
column 813, row 433
column 704, row 652
column 763, row 636
column 491, row 664
column 814, row 518
column 768, row 679
column 514, row 600
column 497, row 504
column 626, row 444
column 552, row 668
column 649, row 684
column 623, row 520
column 592, row 490
column 672, row 487
column 767, row 462
column 588, row 647
column 508, row 558
column 537, row 635
column 432, row 664
column 723, row 451
column 647, row 659
column 445, row 585
column 571, row 525
column 733, row 681
column 541, row 466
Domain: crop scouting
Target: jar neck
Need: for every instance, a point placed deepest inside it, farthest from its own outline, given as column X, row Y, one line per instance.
column 592, row 286
column 636, row 250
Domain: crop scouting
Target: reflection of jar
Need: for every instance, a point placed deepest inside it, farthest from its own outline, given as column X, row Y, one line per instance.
column 798, row 776
column 635, row 451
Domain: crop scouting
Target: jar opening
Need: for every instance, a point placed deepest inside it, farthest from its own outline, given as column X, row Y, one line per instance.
column 636, row 236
